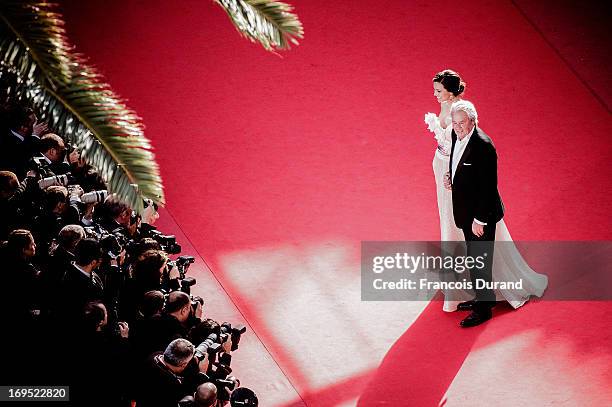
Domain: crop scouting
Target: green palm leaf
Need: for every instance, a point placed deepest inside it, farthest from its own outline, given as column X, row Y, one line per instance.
column 36, row 46
column 76, row 102
column 271, row 23
column 68, row 93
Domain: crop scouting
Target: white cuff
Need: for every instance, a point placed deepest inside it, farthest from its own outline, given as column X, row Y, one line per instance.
column 479, row 222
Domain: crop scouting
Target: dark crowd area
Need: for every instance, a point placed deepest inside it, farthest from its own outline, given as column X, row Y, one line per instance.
column 94, row 296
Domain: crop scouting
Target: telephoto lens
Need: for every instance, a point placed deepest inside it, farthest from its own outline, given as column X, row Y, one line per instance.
column 94, row 196
column 61, row 180
column 209, row 346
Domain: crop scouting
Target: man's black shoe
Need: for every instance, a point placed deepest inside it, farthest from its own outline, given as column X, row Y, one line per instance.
column 475, row 318
column 466, row 306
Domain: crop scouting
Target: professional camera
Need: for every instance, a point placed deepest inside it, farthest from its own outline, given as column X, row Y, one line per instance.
column 210, row 346
column 112, row 245
column 113, row 318
column 182, row 265
column 111, row 267
column 167, row 242
column 94, row 196
column 60, row 180
column 41, row 166
column 94, row 232
column 195, row 300
column 225, row 387
column 235, row 332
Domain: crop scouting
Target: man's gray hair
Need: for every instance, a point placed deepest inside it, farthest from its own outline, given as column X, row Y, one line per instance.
column 70, row 235
column 467, row 107
column 178, row 352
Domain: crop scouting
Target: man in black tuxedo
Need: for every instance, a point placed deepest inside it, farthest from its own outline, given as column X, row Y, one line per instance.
column 51, row 156
column 155, row 333
column 477, row 206
column 52, row 274
column 19, row 142
column 81, row 284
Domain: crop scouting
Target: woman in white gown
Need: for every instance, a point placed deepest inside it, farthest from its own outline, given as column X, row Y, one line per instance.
column 508, row 264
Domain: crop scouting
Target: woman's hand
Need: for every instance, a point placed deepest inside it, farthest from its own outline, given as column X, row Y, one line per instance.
column 447, row 181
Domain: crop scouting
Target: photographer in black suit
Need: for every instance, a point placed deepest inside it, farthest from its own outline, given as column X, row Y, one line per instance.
column 20, row 301
column 114, row 215
column 98, row 355
column 171, row 375
column 155, row 332
column 59, row 208
column 81, row 283
column 52, row 155
column 63, row 249
column 17, row 202
column 59, row 261
column 477, row 206
column 18, row 143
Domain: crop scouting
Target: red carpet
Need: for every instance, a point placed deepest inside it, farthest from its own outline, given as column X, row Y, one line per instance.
column 276, row 169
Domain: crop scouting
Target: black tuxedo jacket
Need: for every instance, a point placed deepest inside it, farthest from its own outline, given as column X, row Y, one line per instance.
column 15, row 154
column 475, row 194
column 154, row 333
column 77, row 290
column 158, row 387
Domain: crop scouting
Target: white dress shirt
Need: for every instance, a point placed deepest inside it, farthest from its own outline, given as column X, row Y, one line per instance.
column 19, row 136
column 459, row 149
column 81, row 270
column 46, row 159
column 95, row 278
column 458, row 153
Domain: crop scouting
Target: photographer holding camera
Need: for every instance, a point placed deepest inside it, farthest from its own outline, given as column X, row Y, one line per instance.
column 18, row 202
column 207, row 395
column 114, row 215
column 62, row 254
column 204, row 396
column 99, row 354
column 19, row 142
column 81, row 284
column 57, row 211
column 244, row 397
column 51, row 159
column 155, row 332
column 20, row 276
column 171, row 375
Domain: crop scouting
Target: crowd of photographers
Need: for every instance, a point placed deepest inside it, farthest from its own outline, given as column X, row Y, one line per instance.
column 91, row 297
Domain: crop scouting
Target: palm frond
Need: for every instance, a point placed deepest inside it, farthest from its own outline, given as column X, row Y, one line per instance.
column 86, row 111
column 271, row 23
column 34, row 40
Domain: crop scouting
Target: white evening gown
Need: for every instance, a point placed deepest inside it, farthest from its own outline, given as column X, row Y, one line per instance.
column 508, row 264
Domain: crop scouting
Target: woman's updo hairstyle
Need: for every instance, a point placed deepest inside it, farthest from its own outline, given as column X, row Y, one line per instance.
column 451, row 81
